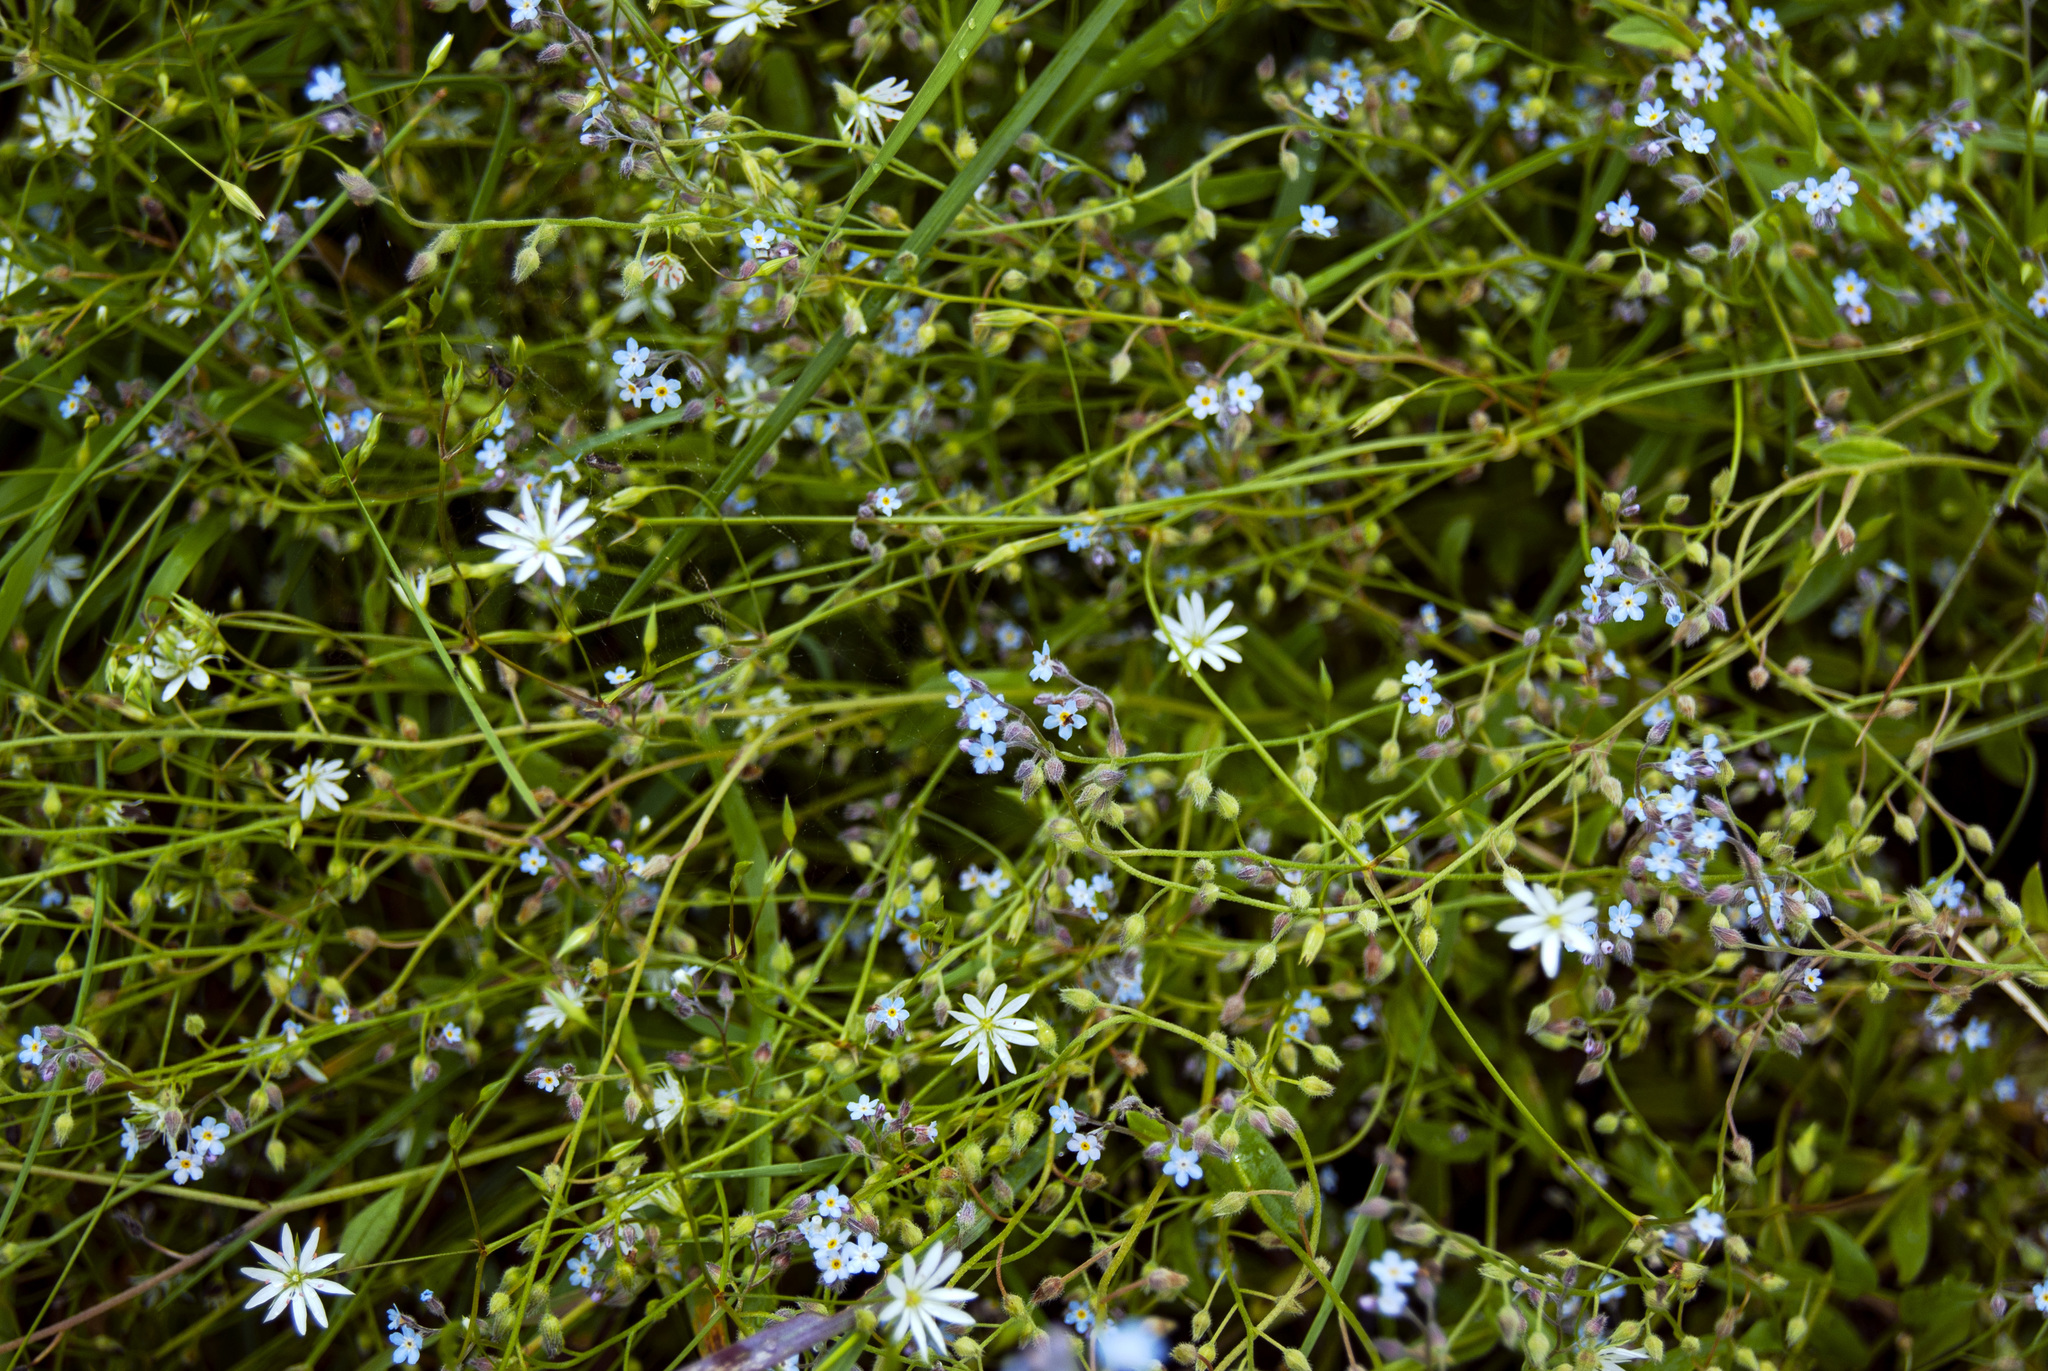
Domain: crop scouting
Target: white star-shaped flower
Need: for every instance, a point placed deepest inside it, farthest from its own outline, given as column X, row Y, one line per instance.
column 1195, row 635
column 316, row 785
column 920, row 1303
column 179, row 661
column 288, row 1282
column 539, row 540
column 1551, row 925
column 872, row 108
column 992, row 1026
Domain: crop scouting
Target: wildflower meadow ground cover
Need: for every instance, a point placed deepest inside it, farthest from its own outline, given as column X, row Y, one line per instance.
column 1217, row 684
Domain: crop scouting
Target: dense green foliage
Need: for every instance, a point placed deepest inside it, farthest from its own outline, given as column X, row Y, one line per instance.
column 1428, row 619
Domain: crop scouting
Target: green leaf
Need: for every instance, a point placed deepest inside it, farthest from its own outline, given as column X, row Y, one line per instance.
column 2034, row 899
column 1911, row 1228
column 1258, row 1167
column 1450, row 552
column 1227, row 191
column 371, row 1228
column 1180, row 26
column 476, row 713
column 1855, row 450
column 175, row 567
column 1855, row 1273
column 1640, row 32
column 1940, row 1317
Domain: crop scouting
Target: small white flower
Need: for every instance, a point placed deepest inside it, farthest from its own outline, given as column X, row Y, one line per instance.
column 559, row 1004
column 992, row 1026
column 54, row 577
column 326, row 86
column 1418, row 673
column 1205, row 402
column 1317, row 222
column 920, row 1303
column 1183, row 1164
column 178, row 661
column 288, row 1280
column 620, row 675
column 757, row 240
column 539, row 539
column 668, row 1104
column 186, row 1166
column 1695, row 136
column 865, row 1109
column 1764, row 24
column 61, row 121
column 316, row 785
column 1391, row 1268
column 1708, row 1226
column 1551, row 925
column 886, row 501
column 1650, row 113
column 745, row 18
column 1086, row 1147
column 876, row 106
column 1195, row 636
